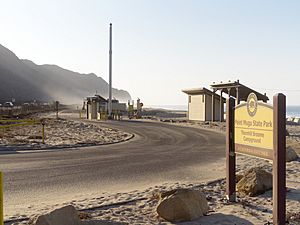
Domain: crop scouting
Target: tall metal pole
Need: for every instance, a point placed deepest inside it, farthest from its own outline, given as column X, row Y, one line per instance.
column 110, row 72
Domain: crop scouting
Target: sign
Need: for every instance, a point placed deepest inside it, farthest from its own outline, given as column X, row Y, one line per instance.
column 258, row 129
column 253, row 128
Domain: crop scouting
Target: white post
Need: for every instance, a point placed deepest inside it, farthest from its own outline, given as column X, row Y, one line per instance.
column 110, row 72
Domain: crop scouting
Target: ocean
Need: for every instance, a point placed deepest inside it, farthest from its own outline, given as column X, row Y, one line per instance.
column 293, row 111
column 290, row 110
column 168, row 107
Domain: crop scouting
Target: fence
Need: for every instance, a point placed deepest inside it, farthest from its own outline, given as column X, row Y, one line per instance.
column 25, row 109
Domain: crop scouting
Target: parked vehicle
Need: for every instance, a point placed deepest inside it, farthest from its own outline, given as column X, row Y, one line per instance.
column 8, row 104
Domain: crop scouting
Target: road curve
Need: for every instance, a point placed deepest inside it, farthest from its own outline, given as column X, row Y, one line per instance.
column 158, row 153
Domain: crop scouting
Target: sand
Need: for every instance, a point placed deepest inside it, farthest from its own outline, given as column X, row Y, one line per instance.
column 139, row 206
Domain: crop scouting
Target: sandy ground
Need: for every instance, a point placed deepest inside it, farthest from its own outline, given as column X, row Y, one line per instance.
column 138, row 206
column 59, row 133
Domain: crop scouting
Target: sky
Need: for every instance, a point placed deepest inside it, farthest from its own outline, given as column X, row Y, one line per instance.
column 163, row 46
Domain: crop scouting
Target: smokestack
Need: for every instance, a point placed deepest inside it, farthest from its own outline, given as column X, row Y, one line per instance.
column 110, row 72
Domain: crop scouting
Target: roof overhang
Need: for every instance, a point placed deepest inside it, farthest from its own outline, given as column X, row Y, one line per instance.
column 96, row 98
column 243, row 90
column 199, row 91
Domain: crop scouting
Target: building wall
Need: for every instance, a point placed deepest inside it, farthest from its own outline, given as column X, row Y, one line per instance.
column 208, row 104
column 93, row 111
column 119, row 107
column 89, row 110
column 196, row 107
column 199, row 107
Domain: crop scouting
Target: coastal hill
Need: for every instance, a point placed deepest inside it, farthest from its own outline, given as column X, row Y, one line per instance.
column 26, row 81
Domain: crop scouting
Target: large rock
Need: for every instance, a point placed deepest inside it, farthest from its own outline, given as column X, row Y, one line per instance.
column 254, row 182
column 63, row 216
column 182, row 205
column 291, row 155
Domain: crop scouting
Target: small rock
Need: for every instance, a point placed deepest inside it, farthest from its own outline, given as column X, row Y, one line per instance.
column 64, row 216
column 254, row 182
column 291, row 155
column 182, row 205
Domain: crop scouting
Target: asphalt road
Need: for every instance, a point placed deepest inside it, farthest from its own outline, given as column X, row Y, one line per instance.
column 158, row 153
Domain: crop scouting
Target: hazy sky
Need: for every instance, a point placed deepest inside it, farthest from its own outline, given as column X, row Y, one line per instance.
column 162, row 46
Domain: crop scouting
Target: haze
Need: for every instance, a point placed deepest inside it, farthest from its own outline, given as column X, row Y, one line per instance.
column 161, row 47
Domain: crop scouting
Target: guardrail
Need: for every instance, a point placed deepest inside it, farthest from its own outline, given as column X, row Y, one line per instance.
column 16, row 123
column 10, row 123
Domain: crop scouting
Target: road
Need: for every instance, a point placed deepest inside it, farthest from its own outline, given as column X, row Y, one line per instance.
column 158, row 153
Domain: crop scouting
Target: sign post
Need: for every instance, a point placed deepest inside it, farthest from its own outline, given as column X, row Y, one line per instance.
column 258, row 129
column 56, row 108
column 43, row 131
column 279, row 163
column 230, row 152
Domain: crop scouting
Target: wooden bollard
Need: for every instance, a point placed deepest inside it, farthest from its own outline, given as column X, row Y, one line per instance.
column 43, row 131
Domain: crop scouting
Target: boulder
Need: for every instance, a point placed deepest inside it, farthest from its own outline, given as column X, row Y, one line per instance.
column 254, row 182
column 291, row 155
column 63, row 216
column 182, row 205
column 238, row 177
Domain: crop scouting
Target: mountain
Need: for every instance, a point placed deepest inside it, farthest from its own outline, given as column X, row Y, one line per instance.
column 26, row 81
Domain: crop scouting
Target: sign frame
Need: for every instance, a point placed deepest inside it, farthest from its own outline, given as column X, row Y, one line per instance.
column 278, row 155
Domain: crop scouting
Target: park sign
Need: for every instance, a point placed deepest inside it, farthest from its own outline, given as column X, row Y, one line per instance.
column 253, row 128
column 258, row 129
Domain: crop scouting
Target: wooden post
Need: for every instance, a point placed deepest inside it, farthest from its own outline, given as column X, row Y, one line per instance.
column 43, row 133
column 279, row 169
column 56, row 105
column 221, row 106
column 43, row 130
column 230, row 152
column 237, row 96
column 213, row 106
column 229, row 89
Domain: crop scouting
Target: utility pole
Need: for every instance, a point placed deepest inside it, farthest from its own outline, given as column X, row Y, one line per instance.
column 110, row 73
